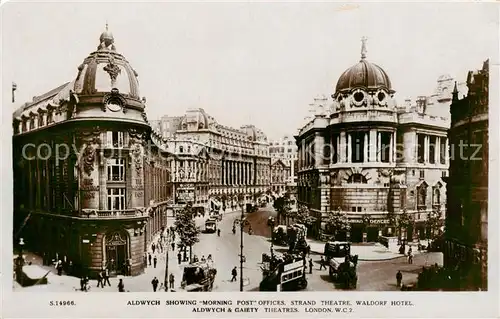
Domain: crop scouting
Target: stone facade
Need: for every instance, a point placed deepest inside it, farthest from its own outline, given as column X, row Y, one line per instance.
column 90, row 185
column 280, row 177
column 364, row 155
column 466, row 233
column 221, row 161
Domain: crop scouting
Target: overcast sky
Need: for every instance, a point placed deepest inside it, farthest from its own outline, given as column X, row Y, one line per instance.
column 259, row 63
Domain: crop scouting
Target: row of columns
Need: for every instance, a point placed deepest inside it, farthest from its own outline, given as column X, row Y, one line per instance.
column 192, row 170
column 372, row 146
column 437, row 148
column 237, row 173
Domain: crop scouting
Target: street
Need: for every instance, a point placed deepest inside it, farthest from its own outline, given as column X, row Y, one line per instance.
column 377, row 275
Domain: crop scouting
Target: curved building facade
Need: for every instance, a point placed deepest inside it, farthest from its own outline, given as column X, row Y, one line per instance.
column 87, row 188
column 365, row 156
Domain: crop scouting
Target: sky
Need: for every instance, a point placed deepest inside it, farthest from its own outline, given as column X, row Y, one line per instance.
column 244, row 63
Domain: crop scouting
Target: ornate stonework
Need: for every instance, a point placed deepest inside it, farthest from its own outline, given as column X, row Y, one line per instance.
column 88, row 158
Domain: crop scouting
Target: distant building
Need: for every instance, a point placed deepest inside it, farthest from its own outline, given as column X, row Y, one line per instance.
column 280, row 177
column 466, row 233
column 90, row 187
column 213, row 163
column 361, row 154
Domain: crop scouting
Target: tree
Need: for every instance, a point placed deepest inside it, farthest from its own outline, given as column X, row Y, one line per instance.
column 186, row 228
column 433, row 221
column 404, row 221
column 303, row 216
column 282, row 206
column 337, row 221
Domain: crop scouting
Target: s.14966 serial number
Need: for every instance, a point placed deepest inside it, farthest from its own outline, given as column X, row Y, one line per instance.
column 62, row 303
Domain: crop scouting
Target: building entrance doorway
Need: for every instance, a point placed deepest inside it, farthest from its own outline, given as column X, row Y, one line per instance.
column 116, row 253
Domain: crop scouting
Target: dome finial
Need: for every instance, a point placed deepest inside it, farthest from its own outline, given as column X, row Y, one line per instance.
column 363, row 47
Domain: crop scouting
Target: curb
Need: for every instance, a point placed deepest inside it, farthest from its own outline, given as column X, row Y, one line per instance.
column 375, row 259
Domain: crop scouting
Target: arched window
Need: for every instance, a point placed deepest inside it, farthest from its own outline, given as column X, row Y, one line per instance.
column 436, row 198
column 357, row 179
column 422, row 195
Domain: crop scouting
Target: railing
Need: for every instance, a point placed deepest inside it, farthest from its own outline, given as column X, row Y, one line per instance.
column 104, row 214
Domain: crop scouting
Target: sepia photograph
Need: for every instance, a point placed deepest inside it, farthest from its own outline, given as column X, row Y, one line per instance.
column 165, row 147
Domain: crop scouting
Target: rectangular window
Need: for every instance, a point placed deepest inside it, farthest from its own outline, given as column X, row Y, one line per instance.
column 359, row 209
column 357, row 147
column 422, row 173
column 442, row 150
column 115, row 139
column 353, row 209
column 385, row 147
column 116, row 169
column 432, row 149
column 116, row 198
column 443, row 174
column 420, row 147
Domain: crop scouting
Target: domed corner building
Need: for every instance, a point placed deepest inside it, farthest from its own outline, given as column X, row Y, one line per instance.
column 91, row 186
column 372, row 160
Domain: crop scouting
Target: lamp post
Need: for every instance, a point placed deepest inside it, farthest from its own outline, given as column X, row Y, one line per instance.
column 20, row 262
column 165, row 280
column 241, row 248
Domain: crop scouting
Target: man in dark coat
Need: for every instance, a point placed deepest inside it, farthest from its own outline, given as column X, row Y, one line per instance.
column 149, row 258
column 153, row 247
column 171, row 281
column 310, row 265
column 155, row 260
column 155, row 282
column 99, row 280
column 106, row 277
column 179, row 257
column 322, row 263
column 234, row 273
column 399, row 278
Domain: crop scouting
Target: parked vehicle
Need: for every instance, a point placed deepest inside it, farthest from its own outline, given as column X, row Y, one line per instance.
column 198, row 277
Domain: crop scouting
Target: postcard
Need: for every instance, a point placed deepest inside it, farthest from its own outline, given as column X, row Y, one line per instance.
column 249, row 159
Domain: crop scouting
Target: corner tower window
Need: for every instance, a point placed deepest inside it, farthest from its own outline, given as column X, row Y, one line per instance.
column 357, row 147
column 115, row 139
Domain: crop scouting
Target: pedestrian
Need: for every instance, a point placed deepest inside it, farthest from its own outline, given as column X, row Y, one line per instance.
column 59, row 267
column 145, row 260
column 234, row 273
column 99, row 279
column 171, row 280
column 185, row 258
column 149, row 258
column 218, row 232
column 399, row 278
column 82, row 284
column 106, row 277
column 153, row 247
column 179, row 258
column 322, row 263
column 121, row 286
column 310, row 265
column 173, row 246
column 155, row 260
column 410, row 257
column 155, row 282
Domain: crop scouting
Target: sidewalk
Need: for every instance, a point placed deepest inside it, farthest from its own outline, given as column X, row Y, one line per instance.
column 366, row 252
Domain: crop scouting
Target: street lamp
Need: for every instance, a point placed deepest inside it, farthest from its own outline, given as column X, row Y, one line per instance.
column 20, row 262
column 165, row 280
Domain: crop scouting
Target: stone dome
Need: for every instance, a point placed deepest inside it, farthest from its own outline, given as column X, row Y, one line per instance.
column 195, row 119
column 363, row 75
column 105, row 70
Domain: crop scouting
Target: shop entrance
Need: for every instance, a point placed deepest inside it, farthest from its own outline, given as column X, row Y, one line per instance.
column 116, row 253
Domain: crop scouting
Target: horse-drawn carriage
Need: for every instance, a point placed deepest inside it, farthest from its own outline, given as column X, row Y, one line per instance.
column 341, row 272
column 198, row 277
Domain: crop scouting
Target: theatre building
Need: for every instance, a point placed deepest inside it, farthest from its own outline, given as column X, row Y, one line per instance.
column 466, row 232
column 89, row 186
column 369, row 158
